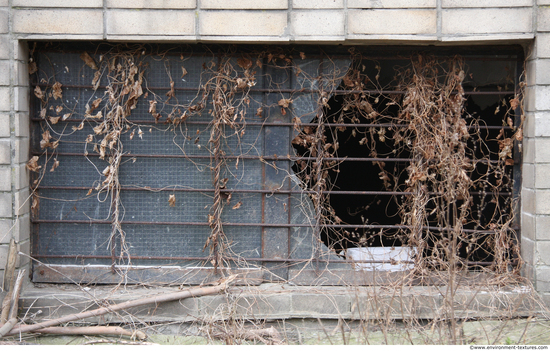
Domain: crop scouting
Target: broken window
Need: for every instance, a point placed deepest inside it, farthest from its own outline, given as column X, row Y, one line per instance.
column 168, row 164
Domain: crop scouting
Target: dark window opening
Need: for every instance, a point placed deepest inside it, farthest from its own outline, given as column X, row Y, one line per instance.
column 360, row 194
column 367, row 139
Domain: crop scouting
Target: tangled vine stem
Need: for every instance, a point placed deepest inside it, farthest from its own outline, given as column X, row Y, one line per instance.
column 214, row 218
column 125, row 77
column 443, row 162
column 434, row 112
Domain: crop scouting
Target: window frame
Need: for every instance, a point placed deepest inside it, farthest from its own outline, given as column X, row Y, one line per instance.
column 273, row 264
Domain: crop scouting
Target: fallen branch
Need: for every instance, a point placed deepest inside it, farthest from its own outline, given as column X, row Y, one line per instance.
column 15, row 294
column 95, row 330
column 8, row 282
column 7, row 327
column 13, row 305
column 5, row 308
column 10, row 266
column 193, row 292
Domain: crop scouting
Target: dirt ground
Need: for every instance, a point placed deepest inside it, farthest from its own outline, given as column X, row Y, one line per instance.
column 310, row 332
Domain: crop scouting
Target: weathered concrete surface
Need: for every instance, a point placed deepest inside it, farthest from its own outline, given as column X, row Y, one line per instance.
column 303, row 21
column 327, row 332
column 273, row 302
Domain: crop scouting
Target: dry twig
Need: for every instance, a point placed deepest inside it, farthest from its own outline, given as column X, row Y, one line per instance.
column 7, row 327
column 94, row 330
column 193, row 292
column 9, row 275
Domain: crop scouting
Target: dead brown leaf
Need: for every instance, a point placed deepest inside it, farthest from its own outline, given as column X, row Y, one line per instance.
column 152, row 107
column 229, row 196
column 285, row 102
column 35, row 203
column 57, row 92
column 98, row 115
column 98, row 129
column 505, row 147
column 54, row 120
column 514, row 103
column 55, row 165
column 297, row 122
column 38, row 92
column 90, row 62
column 171, row 93
column 172, row 200
column 45, row 142
column 237, row 205
column 96, row 80
column 32, row 165
column 183, row 72
column 95, row 104
column 80, row 126
column 241, row 83
column 244, row 63
column 32, row 67
column 106, row 171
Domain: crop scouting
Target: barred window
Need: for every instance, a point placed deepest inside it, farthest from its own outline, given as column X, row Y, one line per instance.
column 317, row 165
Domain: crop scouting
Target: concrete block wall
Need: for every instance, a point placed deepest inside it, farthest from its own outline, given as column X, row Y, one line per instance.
column 274, row 21
column 360, row 22
column 536, row 182
column 14, row 142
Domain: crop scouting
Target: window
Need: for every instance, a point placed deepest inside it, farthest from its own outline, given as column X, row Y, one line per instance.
column 168, row 164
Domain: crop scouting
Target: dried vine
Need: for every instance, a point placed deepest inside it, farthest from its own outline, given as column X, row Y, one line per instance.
column 442, row 180
column 424, row 120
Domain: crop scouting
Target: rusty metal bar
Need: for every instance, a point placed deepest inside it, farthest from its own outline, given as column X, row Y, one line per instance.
column 264, row 158
column 287, row 124
column 241, row 157
column 264, row 191
column 273, row 225
column 240, row 259
column 298, row 91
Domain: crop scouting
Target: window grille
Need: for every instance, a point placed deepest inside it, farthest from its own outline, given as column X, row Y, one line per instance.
column 176, row 164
